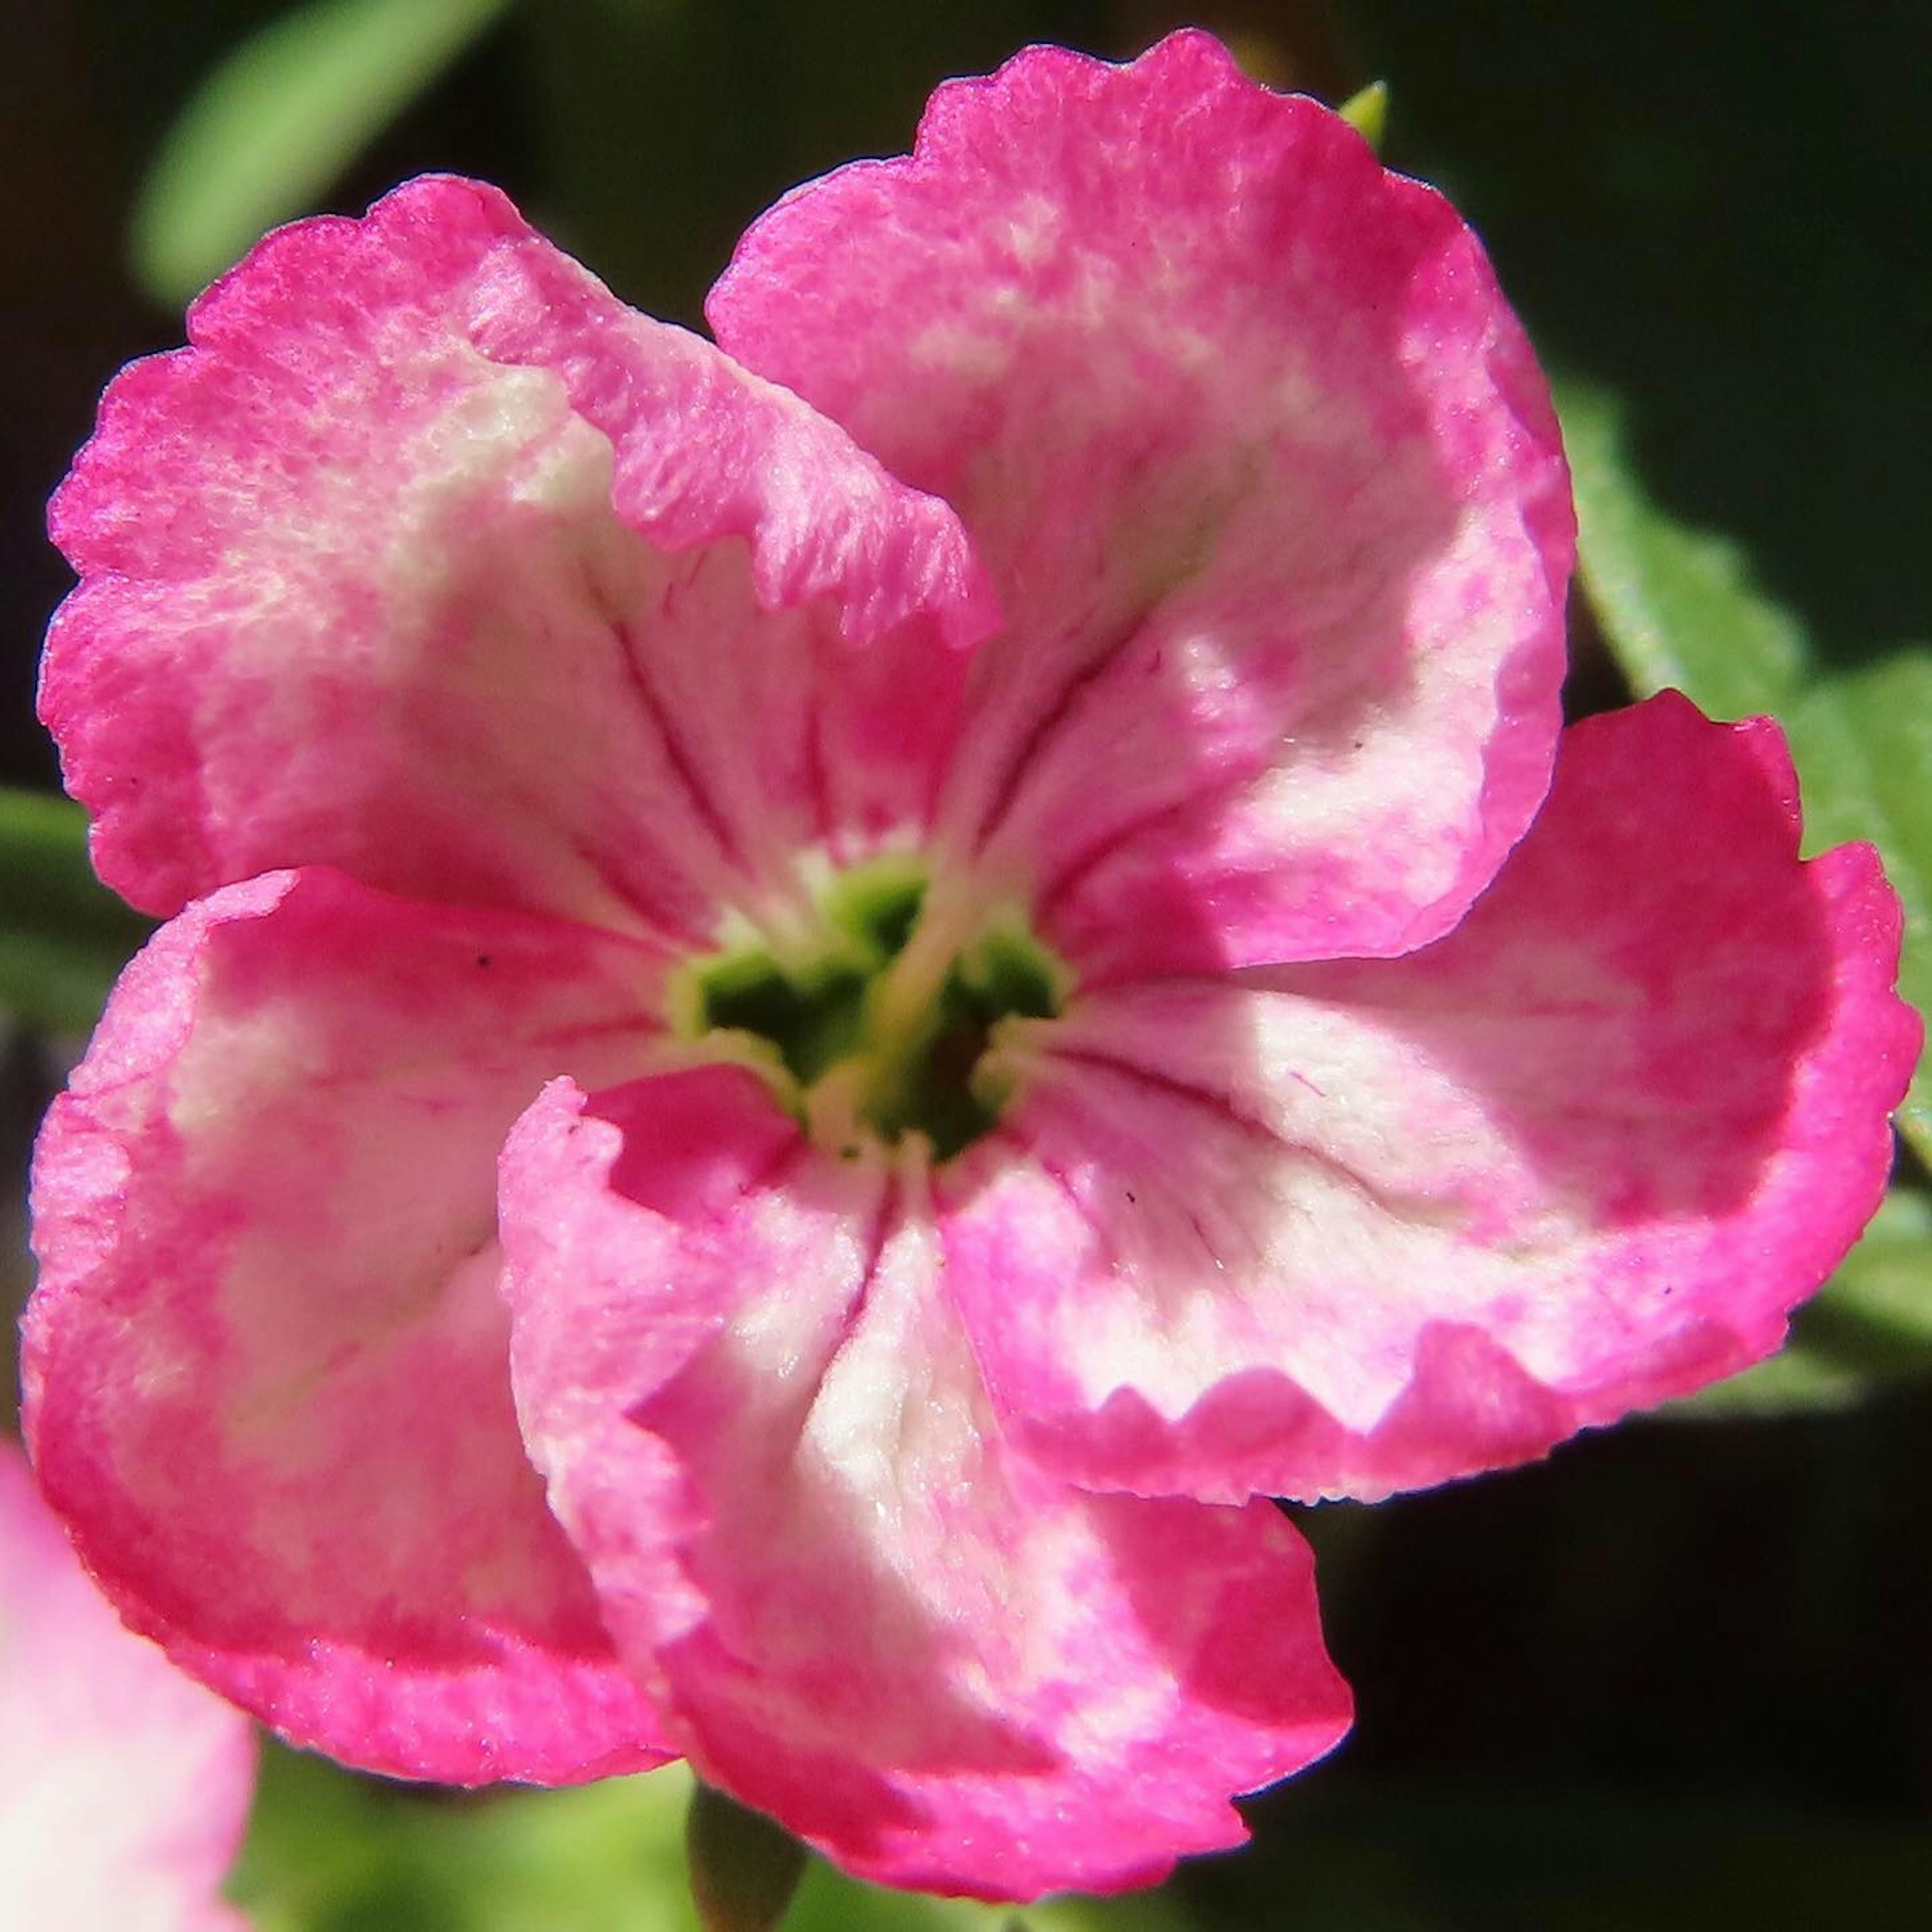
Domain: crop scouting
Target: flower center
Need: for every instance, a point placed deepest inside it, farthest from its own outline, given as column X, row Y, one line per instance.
column 889, row 1024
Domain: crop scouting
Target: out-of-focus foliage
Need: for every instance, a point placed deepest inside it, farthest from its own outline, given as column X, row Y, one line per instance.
column 274, row 125
column 329, row 1853
column 63, row 935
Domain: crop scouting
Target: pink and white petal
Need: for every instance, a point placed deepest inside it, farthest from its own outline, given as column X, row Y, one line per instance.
column 124, row 1787
column 860, row 1609
column 1263, row 470
column 430, row 561
column 266, row 1368
column 1354, row 1227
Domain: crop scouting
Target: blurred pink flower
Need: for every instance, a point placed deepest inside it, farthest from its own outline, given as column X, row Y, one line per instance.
column 898, row 993
column 124, row 1788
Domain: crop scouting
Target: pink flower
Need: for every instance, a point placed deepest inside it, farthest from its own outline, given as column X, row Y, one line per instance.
column 809, row 1031
column 124, row 1788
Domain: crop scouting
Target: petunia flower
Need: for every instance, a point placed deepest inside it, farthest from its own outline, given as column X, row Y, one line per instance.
column 828, row 996
column 124, row 1787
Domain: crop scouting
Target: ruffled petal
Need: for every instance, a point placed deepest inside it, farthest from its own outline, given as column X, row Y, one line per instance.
column 1264, row 473
column 1351, row 1228
column 432, row 562
column 860, row 1610
column 124, row 1788
column 266, row 1367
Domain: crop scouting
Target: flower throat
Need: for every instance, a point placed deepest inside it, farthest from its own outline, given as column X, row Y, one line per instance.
column 888, row 1027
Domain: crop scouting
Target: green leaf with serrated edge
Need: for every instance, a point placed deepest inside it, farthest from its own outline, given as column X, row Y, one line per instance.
column 1871, row 1324
column 279, row 119
column 63, row 937
column 1677, row 607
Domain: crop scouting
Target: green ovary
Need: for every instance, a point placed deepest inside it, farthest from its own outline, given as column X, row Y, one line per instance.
column 885, row 1027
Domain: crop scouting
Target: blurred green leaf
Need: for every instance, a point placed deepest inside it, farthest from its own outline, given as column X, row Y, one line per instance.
column 327, row 1851
column 330, row 1852
column 279, row 119
column 1678, row 607
column 64, row 936
column 1871, row 1324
